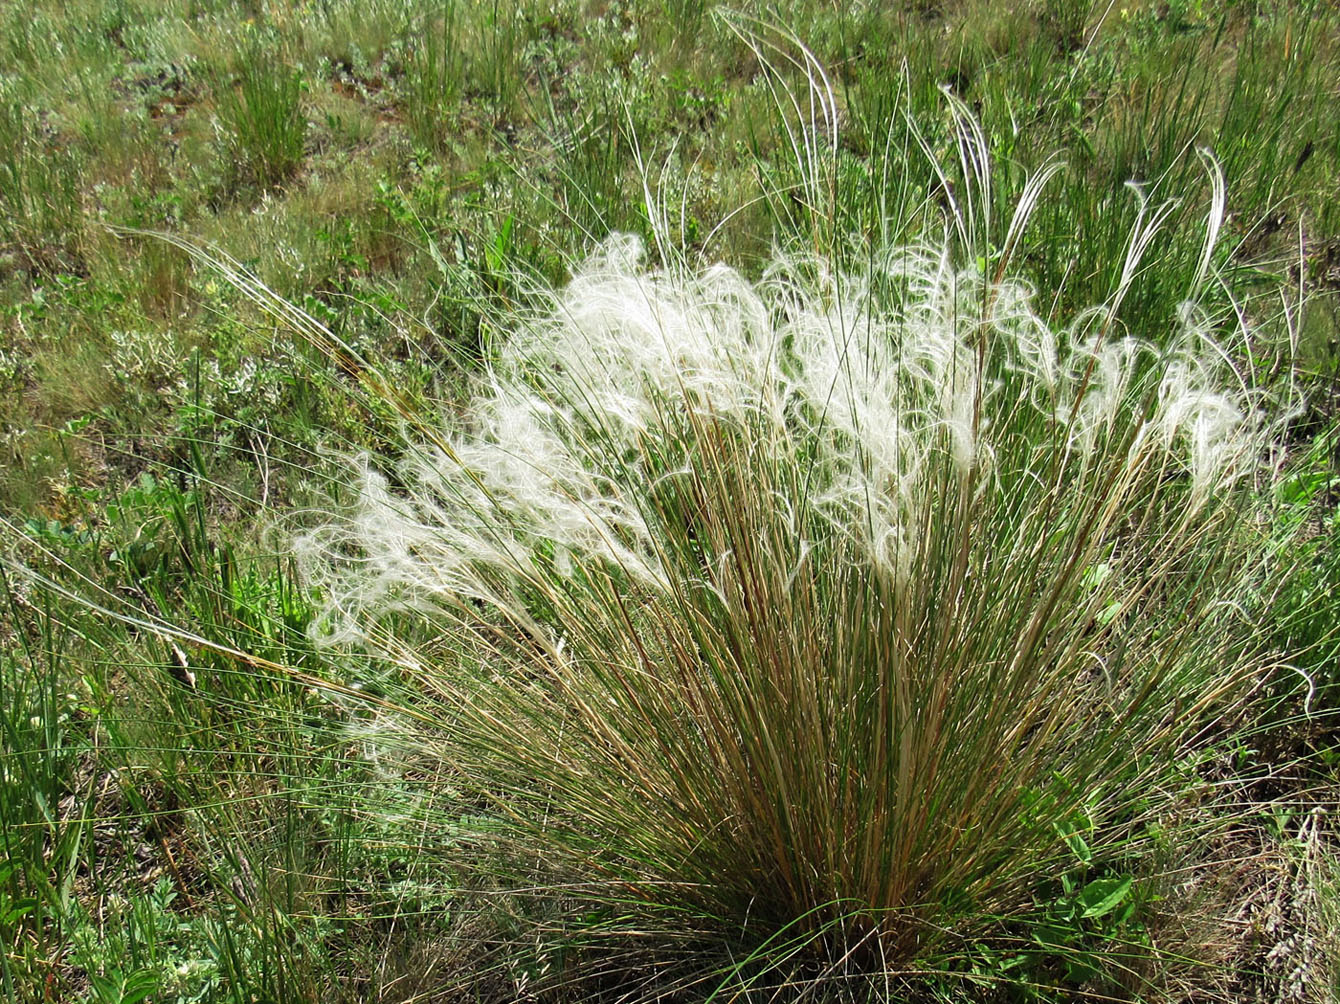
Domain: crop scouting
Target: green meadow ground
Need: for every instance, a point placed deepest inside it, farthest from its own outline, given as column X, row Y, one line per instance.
column 182, row 825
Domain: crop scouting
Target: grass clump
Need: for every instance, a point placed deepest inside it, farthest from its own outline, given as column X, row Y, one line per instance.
column 434, row 69
column 40, row 211
column 260, row 109
column 827, row 616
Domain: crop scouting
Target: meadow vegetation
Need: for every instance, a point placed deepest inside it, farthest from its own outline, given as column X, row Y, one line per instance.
column 593, row 501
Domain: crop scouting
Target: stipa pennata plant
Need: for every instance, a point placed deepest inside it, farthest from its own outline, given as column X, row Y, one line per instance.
column 839, row 607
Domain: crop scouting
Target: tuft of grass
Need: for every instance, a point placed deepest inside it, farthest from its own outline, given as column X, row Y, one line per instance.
column 40, row 210
column 260, row 108
column 1302, row 614
column 43, row 831
column 499, row 65
column 435, row 63
column 826, row 616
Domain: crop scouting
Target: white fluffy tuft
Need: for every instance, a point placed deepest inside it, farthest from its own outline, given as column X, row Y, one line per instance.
column 870, row 381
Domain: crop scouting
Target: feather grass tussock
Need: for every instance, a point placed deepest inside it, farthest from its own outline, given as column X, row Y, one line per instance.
column 834, row 606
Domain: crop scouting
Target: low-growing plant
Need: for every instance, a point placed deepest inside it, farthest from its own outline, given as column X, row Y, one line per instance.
column 1302, row 613
column 44, row 826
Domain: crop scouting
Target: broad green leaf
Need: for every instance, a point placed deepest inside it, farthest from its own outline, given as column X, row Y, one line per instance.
column 1101, row 896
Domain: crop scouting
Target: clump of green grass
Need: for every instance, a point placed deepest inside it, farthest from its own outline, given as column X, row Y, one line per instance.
column 1302, row 614
column 824, row 616
column 260, row 108
column 435, row 62
column 40, row 837
column 40, row 210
